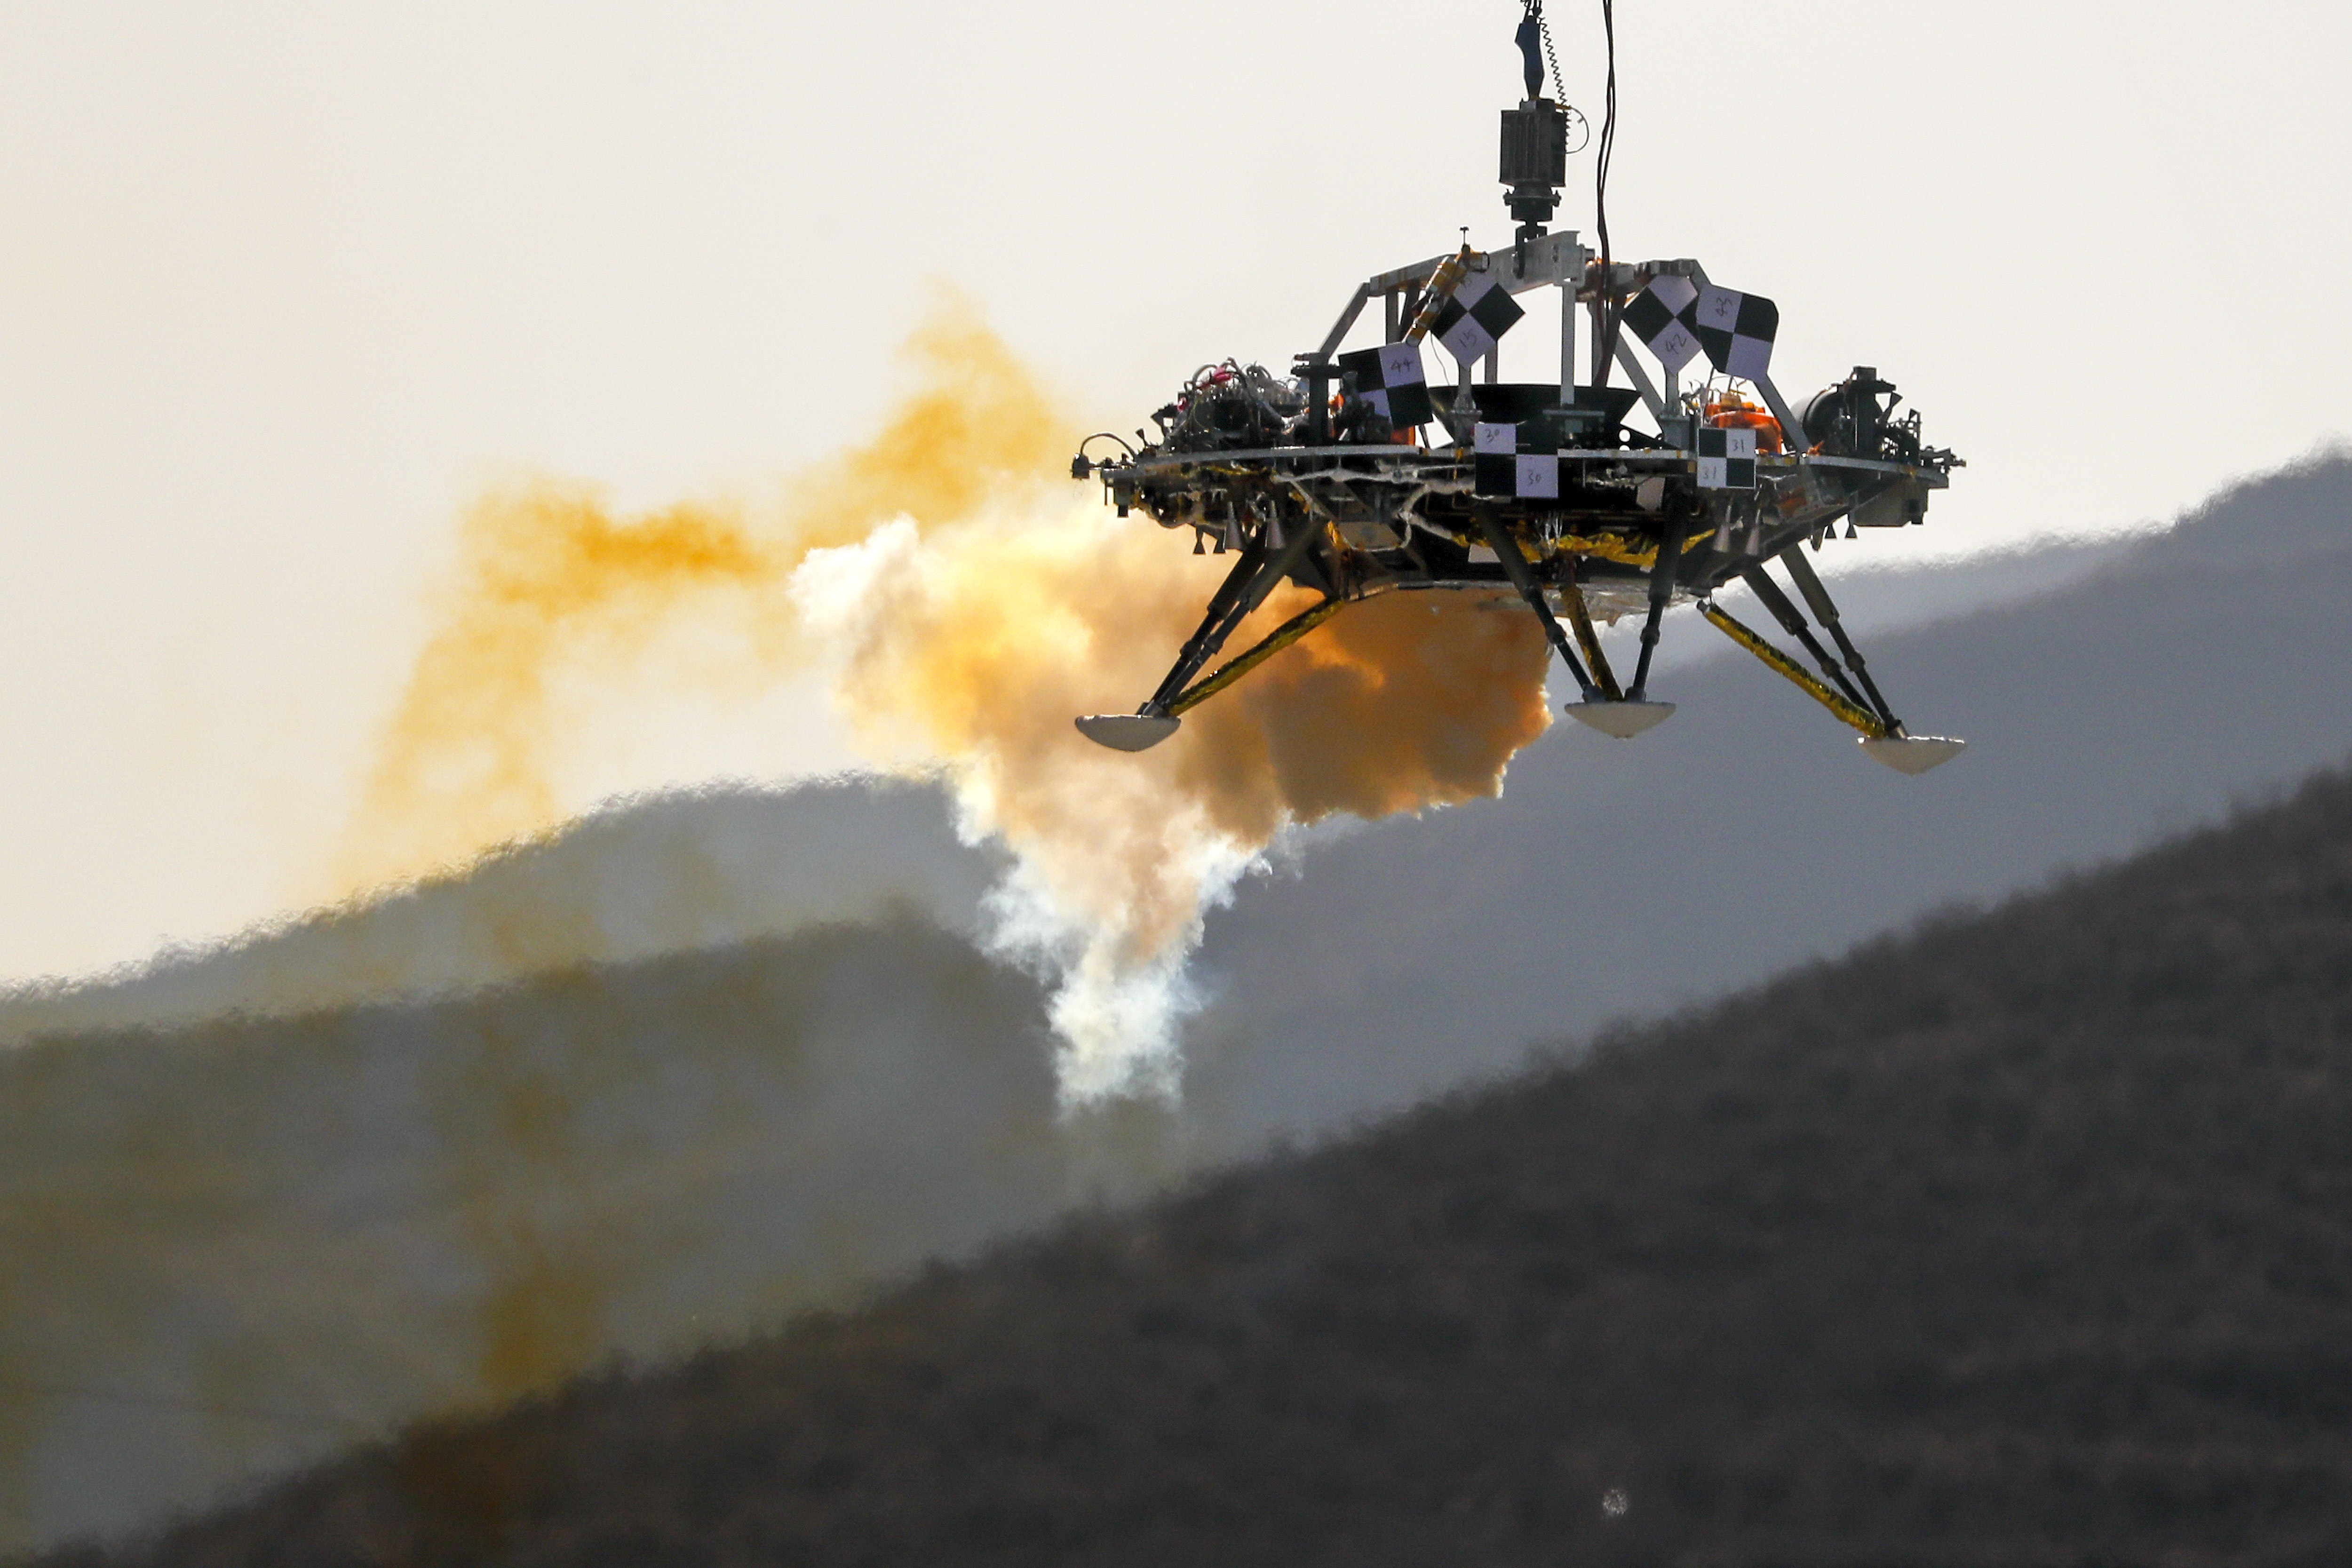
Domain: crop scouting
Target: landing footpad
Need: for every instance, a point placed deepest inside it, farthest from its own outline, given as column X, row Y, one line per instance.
column 1913, row 754
column 1624, row 718
column 1128, row 732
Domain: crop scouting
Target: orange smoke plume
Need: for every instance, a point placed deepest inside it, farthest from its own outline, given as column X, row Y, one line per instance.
column 554, row 597
column 548, row 574
column 963, row 615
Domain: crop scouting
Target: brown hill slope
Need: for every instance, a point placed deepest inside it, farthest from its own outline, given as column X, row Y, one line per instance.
column 2023, row 1238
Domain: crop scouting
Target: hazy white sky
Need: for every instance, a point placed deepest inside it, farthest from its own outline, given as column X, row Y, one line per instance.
column 282, row 285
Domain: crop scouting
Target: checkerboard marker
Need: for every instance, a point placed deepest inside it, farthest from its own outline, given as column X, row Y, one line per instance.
column 1727, row 460
column 1658, row 316
column 1498, row 467
column 1474, row 318
column 1736, row 332
column 1678, row 321
column 1390, row 378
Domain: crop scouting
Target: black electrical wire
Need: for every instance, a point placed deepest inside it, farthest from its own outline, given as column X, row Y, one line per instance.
column 1601, row 197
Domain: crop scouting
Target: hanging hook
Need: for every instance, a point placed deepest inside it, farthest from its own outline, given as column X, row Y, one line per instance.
column 1530, row 41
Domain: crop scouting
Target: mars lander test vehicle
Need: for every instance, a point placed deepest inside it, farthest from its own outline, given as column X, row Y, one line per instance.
column 1331, row 478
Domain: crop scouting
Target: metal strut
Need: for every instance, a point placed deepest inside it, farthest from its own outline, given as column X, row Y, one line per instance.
column 1800, row 571
column 1580, row 615
column 1662, row 593
column 1792, row 621
column 1515, row 567
column 1275, row 641
column 1244, row 589
column 1810, row 684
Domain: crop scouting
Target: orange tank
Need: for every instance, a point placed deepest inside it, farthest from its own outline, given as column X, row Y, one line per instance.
column 1730, row 411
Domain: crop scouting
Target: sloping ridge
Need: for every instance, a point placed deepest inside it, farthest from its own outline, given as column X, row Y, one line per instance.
column 2025, row 1238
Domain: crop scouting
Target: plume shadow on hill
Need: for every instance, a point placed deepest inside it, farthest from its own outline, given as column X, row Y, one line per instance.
column 639, row 879
column 2025, row 1238
column 249, row 1243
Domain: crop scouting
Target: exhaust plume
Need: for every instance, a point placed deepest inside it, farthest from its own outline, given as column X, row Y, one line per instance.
column 961, row 613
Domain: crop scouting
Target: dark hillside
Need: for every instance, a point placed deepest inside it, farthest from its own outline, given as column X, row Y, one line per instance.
column 2024, row 1238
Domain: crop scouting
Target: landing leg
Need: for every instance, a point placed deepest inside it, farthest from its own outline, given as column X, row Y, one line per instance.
column 1800, row 571
column 1627, row 716
column 1897, row 747
column 1580, row 615
column 1216, row 622
column 1792, row 621
column 1515, row 567
column 1253, row 577
column 1662, row 593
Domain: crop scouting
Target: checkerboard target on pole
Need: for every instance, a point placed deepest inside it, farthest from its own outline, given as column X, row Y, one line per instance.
column 1474, row 319
column 1389, row 379
column 1498, row 467
column 1659, row 316
column 1737, row 330
column 1679, row 320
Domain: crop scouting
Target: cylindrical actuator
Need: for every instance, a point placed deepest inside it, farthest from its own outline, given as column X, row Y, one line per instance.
column 1535, row 159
